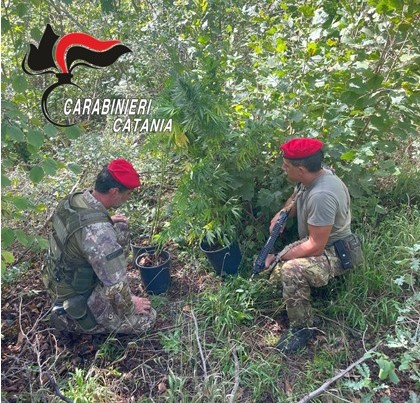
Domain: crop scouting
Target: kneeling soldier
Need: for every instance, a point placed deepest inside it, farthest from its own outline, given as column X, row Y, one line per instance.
column 327, row 247
column 86, row 269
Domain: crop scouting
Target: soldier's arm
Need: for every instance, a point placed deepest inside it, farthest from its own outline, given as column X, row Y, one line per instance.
column 105, row 254
column 321, row 215
column 314, row 246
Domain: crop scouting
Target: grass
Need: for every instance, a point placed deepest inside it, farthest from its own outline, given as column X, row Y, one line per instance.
column 370, row 296
column 220, row 341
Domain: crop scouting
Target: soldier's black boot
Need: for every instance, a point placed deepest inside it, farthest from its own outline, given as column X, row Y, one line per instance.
column 294, row 339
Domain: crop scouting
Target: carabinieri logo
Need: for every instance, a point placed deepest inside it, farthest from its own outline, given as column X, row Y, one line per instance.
column 60, row 56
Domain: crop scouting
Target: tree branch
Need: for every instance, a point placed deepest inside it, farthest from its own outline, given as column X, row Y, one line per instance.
column 330, row 381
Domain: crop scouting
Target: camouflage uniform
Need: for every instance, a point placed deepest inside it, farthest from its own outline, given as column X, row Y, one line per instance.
column 297, row 276
column 104, row 247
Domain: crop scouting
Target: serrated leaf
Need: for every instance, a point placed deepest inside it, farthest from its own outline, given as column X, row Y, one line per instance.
column 36, row 174
column 35, row 138
column 7, row 237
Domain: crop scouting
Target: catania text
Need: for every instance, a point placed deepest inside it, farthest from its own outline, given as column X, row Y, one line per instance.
column 120, row 106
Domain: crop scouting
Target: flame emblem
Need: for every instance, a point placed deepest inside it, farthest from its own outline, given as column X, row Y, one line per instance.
column 60, row 56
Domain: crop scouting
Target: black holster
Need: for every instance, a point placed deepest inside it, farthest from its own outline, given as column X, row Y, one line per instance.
column 349, row 251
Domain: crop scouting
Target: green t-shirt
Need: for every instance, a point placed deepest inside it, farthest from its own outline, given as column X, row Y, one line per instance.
column 324, row 202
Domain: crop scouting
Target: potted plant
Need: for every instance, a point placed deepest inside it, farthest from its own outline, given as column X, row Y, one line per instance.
column 219, row 242
column 154, row 270
column 149, row 255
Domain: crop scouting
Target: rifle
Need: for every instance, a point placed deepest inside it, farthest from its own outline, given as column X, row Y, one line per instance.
column 277, row 229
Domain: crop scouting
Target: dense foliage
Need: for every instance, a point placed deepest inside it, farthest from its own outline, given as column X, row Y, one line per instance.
column 237, row 77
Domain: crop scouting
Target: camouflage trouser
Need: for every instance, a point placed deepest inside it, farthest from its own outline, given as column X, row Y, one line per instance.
column 297, row 276
column 105, row 313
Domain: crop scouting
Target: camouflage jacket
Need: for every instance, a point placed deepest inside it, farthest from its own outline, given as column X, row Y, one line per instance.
column 102, row 250
column 99, row 248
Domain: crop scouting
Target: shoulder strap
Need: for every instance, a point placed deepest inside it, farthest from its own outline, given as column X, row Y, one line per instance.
column 81, row 217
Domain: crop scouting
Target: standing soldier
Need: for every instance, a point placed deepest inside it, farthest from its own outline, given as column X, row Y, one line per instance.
column 86, row 270
column 327, row 247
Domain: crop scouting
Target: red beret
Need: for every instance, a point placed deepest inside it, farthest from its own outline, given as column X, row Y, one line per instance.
column 123, row 172
column 300, row 148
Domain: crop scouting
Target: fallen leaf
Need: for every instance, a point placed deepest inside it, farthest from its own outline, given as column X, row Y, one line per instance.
column 288, row 388
column 161, row 387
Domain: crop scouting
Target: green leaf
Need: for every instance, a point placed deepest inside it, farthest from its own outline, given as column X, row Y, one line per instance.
column 36, row 34
column 5, row 181
column 296, row 116
column 374, row 82
column 72, row 132
column 50, row 130
column 35, row 138
column 36, row 174
column 5, row 25
column 380, row 209
column 393, row 377
column 21, row 9
column 7, row 237
column 348, row 156
column 42, row 243
column 24, row 239
column 7, row 257
column 21, row 203
column 75, row 168
column 349, row 97
column 19, row 83
column 49, row 166
column 15, row 133
column 280, row 45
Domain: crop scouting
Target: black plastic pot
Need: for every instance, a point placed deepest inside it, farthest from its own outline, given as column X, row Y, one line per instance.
column 156, row 279
column 139, row 247
column 225, row 260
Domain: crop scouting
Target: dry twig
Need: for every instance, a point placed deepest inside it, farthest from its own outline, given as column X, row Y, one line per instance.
column 330, row 381
column 236, row 384
column 200, row 349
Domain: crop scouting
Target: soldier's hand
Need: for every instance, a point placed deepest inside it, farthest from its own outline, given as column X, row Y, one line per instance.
column 269, row 259
column 141, row 305
column 274, row 220
column 119, row 218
